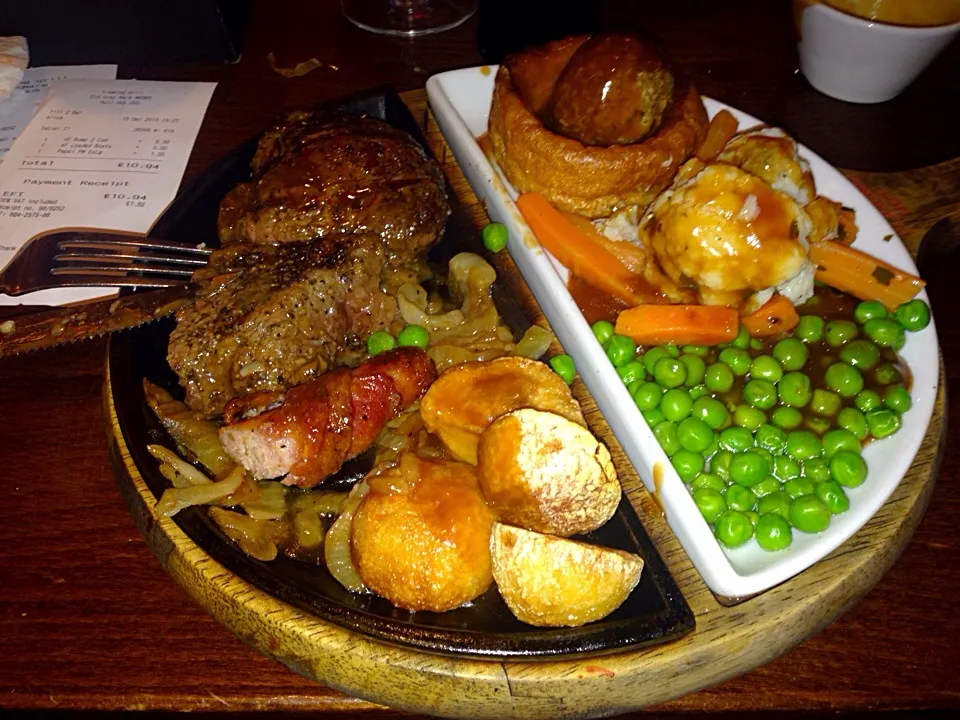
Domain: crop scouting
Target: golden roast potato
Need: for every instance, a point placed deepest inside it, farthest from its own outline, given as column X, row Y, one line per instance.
column 421, row 535
column 543, row 472
column 549, row 581
column 466, row 398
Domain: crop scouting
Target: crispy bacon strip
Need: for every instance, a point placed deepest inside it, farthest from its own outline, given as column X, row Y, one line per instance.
column 308, row 433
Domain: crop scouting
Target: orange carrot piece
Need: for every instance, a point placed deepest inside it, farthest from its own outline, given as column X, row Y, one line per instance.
column 580, row 254
column 633, row 256
column 862, row 275
column 722, row 127
column 775, row 316
column 680, row 324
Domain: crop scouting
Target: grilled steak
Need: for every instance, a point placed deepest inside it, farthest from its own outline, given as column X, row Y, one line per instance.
column 335, row 201
column 319, row 173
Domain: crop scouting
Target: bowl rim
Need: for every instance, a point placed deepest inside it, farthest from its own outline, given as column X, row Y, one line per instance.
column 852, row 20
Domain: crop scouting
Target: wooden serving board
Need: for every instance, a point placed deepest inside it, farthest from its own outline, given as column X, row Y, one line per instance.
column 728, row 641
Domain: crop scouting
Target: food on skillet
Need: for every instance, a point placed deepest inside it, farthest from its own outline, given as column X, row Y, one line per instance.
column 339, row 207
column 596, row 124
column 550, row 581
column 306, row 434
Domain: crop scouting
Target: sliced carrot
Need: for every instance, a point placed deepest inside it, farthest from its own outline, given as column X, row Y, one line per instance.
column 862, row 275
column 775, row 316
column 722, row 127
column 632, row 255
column 582, row 255
column 681, row 324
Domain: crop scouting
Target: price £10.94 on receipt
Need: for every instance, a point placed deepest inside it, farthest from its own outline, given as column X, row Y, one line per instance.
column 98, row 154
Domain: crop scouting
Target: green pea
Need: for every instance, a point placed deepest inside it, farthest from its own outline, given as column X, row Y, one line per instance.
column 809, row 329
column 687, row 464
column 666, row 435
column 748, row 468
column 868, row 400
column 564, row 367
column 603, row 331
column 853, row 421
column 669, row 373
column 869, row 310
column 785, row 468
column 816, row 424
column 708, row 480
column 773, row 532
column 844, row 379
column 672, row 350
column 710, row 503
column 803, row 445
column 885, row 332
column 832, row 496
column 699, row 391
column 621, row 350
column 742, row 340
column 883, row 422
column 761, row 394
column 764, row 453
column 720, row 464
column 913, row 315
column 752, row 515
column 786, row 418
column 413, row 336
column 816, row 469
column 756, row 344
column 748, row 417
column 794, row 390
column 791, row 353
column 494, row 236
column 733, row 528
column 897, row 398
column 736, row 439
column 776, row 503
column 768, row 485
column 701, row 351
column 839, row 439
column 848, row 468
column 798, row 487
column 653, row 417
column 647, row 396
column 631, row 372
column 718, row 377
column 860, row 353
column 739, row 498
column 695, row 368
column 632, row 387
column 694, row 435
column 736, row 359
column 771, row 439
column 713, row 448
column 808, row 514
column 380, row 341
column 887, row 374
column 840, row 332
column 676, row 404
column 765, row 367
column 711, row 411
column 825, row 403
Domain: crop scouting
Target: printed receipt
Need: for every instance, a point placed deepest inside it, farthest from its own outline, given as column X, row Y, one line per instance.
column 97, row 154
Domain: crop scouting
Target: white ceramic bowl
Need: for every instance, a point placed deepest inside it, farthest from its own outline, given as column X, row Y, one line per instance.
column 460, row 100
column 863, row 61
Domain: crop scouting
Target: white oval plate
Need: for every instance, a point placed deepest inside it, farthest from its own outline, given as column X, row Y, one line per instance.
column 460, row 100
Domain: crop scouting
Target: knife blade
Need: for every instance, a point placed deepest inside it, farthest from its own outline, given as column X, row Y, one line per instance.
column 58, row 326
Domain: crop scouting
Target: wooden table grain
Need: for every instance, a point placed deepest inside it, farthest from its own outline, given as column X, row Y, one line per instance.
column 90, row 621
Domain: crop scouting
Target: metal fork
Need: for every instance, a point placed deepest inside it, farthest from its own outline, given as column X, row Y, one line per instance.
column 100, row 259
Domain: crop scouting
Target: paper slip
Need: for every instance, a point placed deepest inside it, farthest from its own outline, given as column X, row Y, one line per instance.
column 98, row 154
column 18, row 109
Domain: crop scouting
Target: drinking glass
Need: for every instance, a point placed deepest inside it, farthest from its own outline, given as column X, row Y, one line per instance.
column 407, row 18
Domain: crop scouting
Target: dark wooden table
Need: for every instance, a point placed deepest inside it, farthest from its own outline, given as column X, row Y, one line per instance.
column 90, row 621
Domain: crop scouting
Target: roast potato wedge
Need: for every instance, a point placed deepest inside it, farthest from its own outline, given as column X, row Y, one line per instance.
column 466, row 398
column 543, row 472
column 555, row 582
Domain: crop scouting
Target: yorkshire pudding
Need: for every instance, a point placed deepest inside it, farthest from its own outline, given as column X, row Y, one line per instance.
column 594, row 123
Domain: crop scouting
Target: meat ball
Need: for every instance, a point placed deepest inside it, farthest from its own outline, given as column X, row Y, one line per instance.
column 421, row 535
column 614, row 91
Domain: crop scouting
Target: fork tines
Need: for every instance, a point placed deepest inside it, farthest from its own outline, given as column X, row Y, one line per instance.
column 110, row 259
